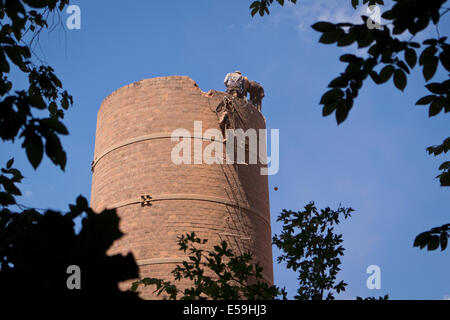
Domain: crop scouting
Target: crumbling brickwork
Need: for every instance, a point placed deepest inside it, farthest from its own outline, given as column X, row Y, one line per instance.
column 158, row 200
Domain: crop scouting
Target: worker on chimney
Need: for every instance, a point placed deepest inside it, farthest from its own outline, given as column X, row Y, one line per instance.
column 235, row 83
column 224, row 123
column 224, row 119
column 256, row 92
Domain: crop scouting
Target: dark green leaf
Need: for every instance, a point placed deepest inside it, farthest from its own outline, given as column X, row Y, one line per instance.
column 427, row 55
column 4, row 65
column 444, row 179
column 411, row 57
column 430, row 67
column 9, row 186
column 366, row 39
column 425, row 100
column 331, row 36
column 431, row 42
column 388, row 15
column 436, row 87
column 375, row 77
column 350, row 58
column 82, row 203
column 444, row 165
column 55, row 125
column 400, row 79
column 446, row 144
column 433, row 243
column 14, row 53
column 54, row 150
column 9, row 163
column 341, row 113
column 35, row 150
column 37, row 101
column 52, row 107
column 328, row 109
column 323, row 26
column 6, row 199
column 347, row 39
column 435, row 108
column 339, row 82
column 421, row 240
column 386, row 73
column 65, row 104
column 444, row 242
column 331, row 96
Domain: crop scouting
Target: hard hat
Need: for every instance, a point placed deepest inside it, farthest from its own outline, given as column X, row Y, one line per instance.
column 237, row 71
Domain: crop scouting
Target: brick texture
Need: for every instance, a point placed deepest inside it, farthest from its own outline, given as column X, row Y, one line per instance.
column 161, row 105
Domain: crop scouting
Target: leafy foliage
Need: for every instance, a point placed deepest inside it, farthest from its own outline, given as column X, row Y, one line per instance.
column 218, row 274
column 444, row 177
column 385, row 52
column 406, row 15
column 262, row 6
column 433, row 238
column 386, row 297
column 36, row 248
column 311, row 247
column 8, row 181
column 389, row 57
column 44, row 91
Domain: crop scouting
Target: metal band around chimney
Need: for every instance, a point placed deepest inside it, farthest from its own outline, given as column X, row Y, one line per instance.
column 145, row 200
column 146, row 262
column 145, row 138
column 152, row 137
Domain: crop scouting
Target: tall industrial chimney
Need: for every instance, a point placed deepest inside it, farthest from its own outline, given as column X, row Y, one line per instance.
column 158, row 200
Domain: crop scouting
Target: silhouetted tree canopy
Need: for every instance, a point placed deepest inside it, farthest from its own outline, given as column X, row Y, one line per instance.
column 217, row 274
column 389, row 57
column 309, row 246
column 37, row 246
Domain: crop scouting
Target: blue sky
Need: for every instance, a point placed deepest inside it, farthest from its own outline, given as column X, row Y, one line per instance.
column 374, row 162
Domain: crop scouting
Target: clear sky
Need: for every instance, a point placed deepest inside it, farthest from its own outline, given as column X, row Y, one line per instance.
column 374, row 162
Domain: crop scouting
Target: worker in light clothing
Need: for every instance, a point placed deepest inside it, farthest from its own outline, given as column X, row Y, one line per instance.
column 236, row 84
